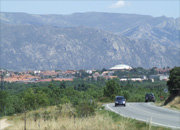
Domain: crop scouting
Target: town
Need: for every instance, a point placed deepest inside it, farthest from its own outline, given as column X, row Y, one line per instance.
column 121, row 72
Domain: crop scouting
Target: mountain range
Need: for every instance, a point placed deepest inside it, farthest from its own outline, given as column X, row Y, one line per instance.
column 92, row 40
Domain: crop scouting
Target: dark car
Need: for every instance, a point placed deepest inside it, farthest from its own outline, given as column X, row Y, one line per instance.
column 150, row 97
column 120, row 100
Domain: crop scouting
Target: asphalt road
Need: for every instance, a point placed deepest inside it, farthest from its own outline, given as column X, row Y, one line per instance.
column 148, row 112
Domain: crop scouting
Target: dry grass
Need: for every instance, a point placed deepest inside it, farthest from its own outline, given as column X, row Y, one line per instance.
column 64, row 120
column 64, row 123
column 175, row 103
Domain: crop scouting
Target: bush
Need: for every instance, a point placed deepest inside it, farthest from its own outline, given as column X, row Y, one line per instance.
column 138, row 98
column 59, row 108
column 126, row 95
column 85, row 109
column 46, row 115
column 64, row 100
column 105, row 99
column 36, row 116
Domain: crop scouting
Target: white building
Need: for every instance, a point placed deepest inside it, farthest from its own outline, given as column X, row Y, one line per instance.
column 89, row 71
column 164, row 77
column 107, row 73
column 37, row 72
column 131, row 79
column 136, row 79
column 121, row 67
column 123, row 79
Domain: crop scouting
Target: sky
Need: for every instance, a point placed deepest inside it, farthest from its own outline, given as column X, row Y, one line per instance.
column 156, row 8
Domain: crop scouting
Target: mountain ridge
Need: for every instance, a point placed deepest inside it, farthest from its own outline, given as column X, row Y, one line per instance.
column 28, row 45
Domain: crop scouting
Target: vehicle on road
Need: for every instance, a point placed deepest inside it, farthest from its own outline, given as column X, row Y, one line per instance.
column 120, row 100
column 149, row 97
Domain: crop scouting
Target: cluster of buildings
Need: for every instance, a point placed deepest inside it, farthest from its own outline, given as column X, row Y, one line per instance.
column 37, row 76
column 105, row 74
column 69, row 75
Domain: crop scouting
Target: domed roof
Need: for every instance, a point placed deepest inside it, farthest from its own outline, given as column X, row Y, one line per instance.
column 121, row 67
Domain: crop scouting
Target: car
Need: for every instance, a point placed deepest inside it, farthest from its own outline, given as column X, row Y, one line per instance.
column 149, row 97
column 120, row 100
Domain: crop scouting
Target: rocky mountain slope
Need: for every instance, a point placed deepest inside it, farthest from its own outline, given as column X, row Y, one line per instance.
column 87, row 41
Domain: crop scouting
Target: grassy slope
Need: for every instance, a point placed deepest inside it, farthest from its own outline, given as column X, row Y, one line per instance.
column 175, row 103
column 102, row 120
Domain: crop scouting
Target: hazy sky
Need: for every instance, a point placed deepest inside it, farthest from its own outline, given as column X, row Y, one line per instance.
column 170, row 8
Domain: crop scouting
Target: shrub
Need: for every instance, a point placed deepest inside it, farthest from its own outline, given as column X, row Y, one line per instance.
column 46, row 116
column 105, row 99
column 126, row 95
column 85, row 109
column 59, row 108
column 36, row 116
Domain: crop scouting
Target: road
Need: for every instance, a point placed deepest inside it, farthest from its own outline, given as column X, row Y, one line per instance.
column 148, row 112
column 3, row 124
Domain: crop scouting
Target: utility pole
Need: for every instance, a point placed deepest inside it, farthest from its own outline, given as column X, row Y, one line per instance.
column 1, row 89
column 2, row 80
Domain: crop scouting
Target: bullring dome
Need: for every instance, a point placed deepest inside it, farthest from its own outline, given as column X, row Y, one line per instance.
column 121, row 67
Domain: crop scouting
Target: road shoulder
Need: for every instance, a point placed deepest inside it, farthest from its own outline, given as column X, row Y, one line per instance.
column 4, row 124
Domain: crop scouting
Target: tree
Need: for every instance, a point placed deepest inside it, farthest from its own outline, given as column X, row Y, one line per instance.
column 174, row 80
column 3, row 100
column 126, row 94
column 85, row 109
column 33, row 100
column 111, row 89
column 104, row 69
column 63, row 85
column 51, row 85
